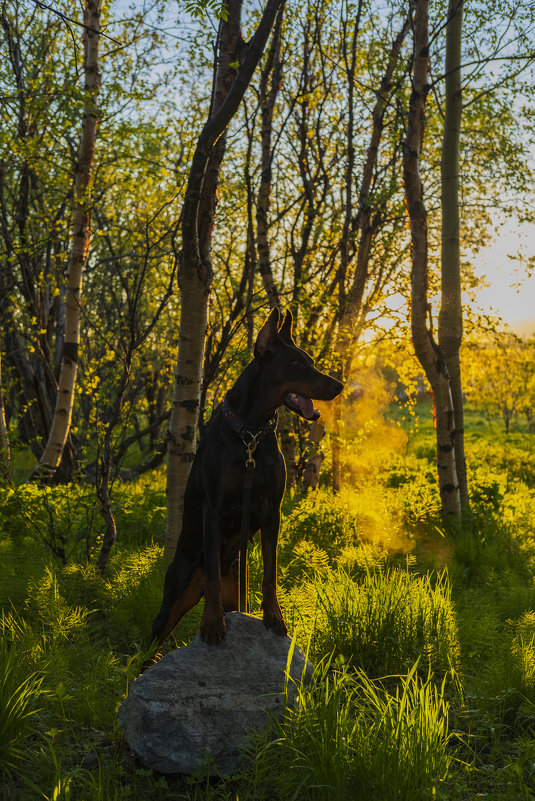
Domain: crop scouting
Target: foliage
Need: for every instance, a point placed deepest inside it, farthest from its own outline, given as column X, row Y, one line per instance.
column 18, row 706
column 368, row 577
column 199, row 8
column 64, row 518
column 52, row 516
column 156, row 88
column 501, row 377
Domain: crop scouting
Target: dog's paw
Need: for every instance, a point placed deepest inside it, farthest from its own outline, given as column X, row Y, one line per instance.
column 213, row 630
column 274, row 620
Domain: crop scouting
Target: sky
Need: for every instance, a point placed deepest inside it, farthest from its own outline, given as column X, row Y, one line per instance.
column 510, row 294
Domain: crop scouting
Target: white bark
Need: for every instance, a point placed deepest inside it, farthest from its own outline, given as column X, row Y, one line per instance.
column 450, row 321
column 79, row 248
column 427, row 351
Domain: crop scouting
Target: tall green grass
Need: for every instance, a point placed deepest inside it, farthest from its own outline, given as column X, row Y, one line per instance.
column 388, row 620
column 19, row 697
column 351, row 738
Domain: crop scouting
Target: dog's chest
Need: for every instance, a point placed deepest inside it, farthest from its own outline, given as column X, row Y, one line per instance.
column 265, row 494
column 268, row 479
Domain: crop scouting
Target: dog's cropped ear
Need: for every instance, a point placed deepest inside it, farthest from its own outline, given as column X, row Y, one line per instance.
column 267, row 332
column 285, row 331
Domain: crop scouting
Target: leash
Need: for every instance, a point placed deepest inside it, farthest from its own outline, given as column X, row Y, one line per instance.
column 251, row 441
column 251, row 445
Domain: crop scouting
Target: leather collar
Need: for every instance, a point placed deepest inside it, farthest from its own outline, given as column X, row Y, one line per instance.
column 241, row 429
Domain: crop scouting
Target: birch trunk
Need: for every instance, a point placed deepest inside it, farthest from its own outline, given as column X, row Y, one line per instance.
column 427, row 351
column 450, row 321
column 80, row 239
column 185, row 408
column 195, row 274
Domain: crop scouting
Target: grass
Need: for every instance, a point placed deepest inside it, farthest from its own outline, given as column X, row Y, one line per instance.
column 388, row 620
column 19, row 697
column 350, row 737
column 424, row 646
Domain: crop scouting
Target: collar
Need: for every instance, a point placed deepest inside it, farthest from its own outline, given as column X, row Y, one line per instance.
column 244, row 433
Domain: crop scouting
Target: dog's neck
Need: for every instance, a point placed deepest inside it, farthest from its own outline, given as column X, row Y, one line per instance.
column 249, row 398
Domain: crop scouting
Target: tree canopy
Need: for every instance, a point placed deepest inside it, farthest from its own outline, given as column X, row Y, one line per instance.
column 310, row 208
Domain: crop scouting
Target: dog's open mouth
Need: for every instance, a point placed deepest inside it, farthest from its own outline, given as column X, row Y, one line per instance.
column 301, row 405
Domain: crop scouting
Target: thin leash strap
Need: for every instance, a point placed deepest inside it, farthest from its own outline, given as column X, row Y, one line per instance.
column 251, row 443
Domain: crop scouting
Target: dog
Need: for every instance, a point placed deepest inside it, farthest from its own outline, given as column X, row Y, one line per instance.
column 205, row 562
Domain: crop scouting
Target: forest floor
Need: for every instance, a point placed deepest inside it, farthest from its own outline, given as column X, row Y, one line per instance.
column 423, row 639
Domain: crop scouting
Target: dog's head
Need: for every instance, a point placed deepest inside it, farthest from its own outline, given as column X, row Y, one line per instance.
column 289, row 373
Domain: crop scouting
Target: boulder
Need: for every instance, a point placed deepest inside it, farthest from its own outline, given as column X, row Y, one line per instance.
column 196, row 706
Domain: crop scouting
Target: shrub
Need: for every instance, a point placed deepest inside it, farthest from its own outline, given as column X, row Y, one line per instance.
column 508, row 690
column 139, row 509
column 65, row 519
column 337, row 527
column 62, row 518
column 323, row 520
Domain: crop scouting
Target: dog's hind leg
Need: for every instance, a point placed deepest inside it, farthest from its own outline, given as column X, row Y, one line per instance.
column 213, row 626
column 184, row 587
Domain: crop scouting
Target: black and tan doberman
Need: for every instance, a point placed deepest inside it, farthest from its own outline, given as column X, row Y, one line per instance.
column 281, row 374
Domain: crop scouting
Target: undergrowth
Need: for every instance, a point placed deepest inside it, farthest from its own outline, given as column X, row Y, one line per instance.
column 423, row 639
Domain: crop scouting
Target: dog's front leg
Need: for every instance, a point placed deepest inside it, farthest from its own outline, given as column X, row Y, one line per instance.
column 213, row 627
column 273, row 618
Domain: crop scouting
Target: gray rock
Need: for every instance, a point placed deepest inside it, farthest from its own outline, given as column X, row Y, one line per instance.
column 197, row 705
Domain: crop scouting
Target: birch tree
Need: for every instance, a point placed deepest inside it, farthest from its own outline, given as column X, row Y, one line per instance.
column 450, row 320
column 236, row 61
column 427, row 350
column 79, row 244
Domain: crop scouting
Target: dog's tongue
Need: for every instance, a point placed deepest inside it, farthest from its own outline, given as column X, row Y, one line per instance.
column 305, row 405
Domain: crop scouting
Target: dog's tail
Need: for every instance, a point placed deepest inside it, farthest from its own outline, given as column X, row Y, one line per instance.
column 184, row 587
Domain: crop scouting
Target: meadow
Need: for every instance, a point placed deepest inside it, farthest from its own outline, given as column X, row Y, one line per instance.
column 423, row 639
